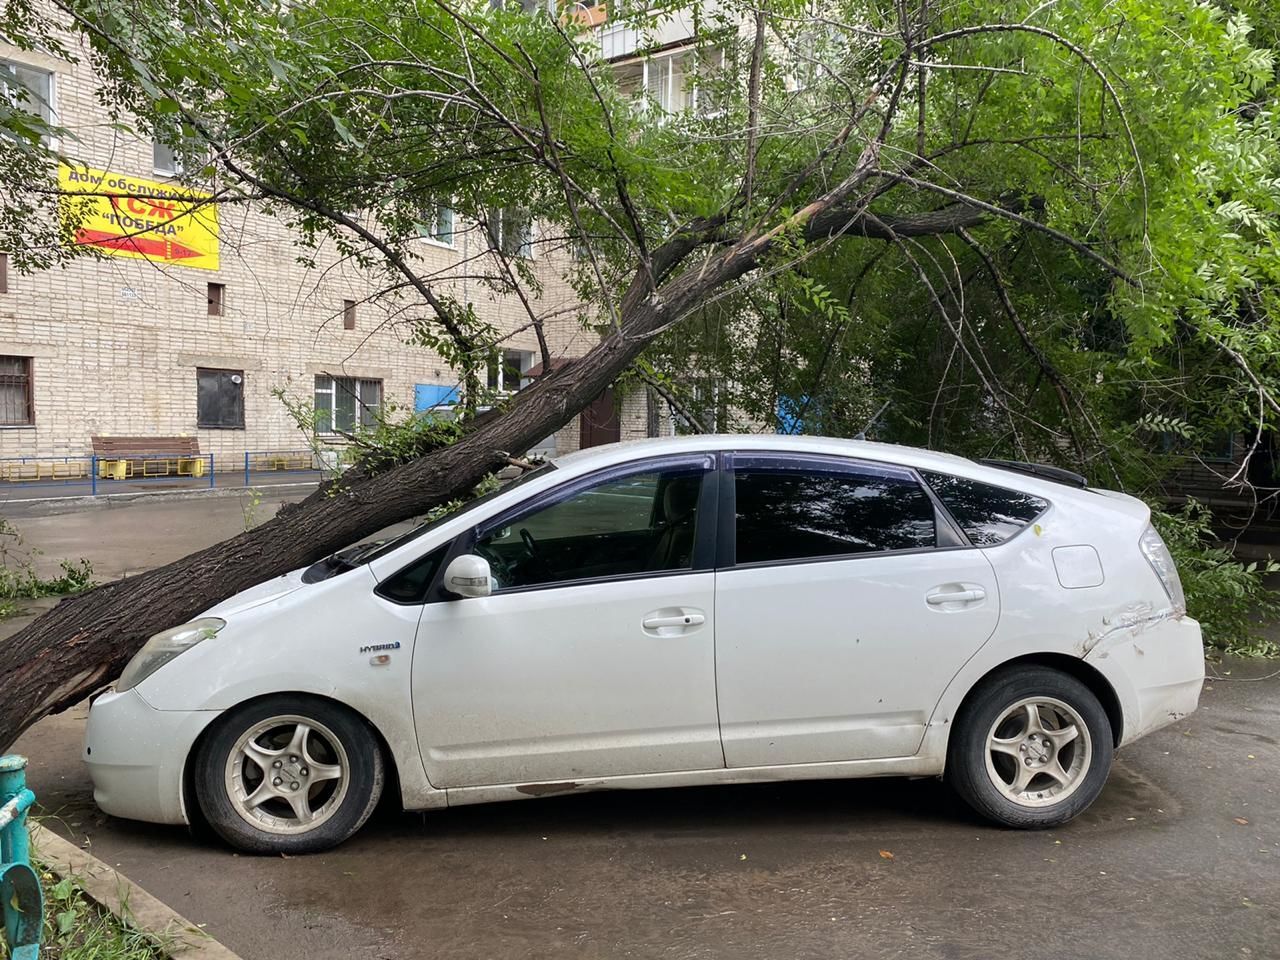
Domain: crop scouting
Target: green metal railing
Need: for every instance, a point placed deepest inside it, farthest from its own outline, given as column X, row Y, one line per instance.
column 19, row 885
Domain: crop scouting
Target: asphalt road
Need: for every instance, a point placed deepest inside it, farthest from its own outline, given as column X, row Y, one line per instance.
column 1179, row 859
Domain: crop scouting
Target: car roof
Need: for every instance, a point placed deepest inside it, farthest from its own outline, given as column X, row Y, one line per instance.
column 627, row 450
column 892, row 453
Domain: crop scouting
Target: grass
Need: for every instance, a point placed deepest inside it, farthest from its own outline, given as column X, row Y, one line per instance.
column 18, row 578
column 77, row 929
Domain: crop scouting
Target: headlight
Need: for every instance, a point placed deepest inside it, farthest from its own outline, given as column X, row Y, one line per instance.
column 1161, row 561
column 164, row 646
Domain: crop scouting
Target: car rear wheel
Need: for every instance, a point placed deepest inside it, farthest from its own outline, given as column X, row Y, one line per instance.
column 288, row 774
column 1032, row 748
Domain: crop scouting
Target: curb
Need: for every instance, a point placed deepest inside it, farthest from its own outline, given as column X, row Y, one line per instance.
column 127, row 901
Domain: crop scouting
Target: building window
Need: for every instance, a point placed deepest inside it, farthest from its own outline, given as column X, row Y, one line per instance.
column 17, row 408
column 28, row 89
column 4, row 273
column 220, row 399
column 511, row 232
column 507, row 369
column 165, row 160
column 706, row 99
column 343, row 403
column 348, row 314
column 674, row 82
column 664, row 84
column 217, row 299
column 439, row 226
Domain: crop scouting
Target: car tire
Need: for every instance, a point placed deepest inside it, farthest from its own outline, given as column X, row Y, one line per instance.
column 288, row 774
column 1032, row 748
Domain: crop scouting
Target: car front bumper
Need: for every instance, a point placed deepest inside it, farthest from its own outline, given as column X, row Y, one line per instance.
column 136, row 755
column 1156, row 667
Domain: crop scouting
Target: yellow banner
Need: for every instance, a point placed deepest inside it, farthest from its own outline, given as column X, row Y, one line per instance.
column 126, row 216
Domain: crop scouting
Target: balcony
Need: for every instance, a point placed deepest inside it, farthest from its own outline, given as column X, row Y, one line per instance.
column 622, row 39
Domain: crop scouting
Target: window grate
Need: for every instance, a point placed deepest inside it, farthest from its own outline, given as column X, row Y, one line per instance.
column 17, row 408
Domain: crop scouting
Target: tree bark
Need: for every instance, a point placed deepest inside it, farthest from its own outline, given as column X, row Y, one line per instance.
column 85, row 641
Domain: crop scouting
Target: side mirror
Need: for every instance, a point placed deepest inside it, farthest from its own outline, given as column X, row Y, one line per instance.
column 468, row 576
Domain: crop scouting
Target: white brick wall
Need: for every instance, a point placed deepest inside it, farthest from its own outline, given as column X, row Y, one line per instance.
column 115, row 342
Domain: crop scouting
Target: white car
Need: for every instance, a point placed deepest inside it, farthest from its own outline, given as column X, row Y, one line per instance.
column 688, row 611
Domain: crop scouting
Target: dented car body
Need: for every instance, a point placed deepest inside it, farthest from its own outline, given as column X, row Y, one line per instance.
column 686, row 611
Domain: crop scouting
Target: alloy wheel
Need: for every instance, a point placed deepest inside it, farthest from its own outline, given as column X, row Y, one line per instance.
column 287, row 774
column 1038, row 751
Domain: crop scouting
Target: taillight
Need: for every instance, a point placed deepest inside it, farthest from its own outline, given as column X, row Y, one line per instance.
column 1161, row 561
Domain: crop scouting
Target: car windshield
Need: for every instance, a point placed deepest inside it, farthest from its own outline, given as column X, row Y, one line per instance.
column 373, row 551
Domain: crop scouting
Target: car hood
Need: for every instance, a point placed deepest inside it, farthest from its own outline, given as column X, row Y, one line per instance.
column 256, row 596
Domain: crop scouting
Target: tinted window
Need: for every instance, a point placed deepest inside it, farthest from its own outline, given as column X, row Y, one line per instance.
column 791, row 514
column 410, row 584
column 985, row 513
column 645, row 522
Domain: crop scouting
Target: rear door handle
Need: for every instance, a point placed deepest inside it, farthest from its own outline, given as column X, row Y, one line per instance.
column 679, row 620
column 956, row 596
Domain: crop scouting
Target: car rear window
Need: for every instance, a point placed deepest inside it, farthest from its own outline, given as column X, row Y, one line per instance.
column 987, row 514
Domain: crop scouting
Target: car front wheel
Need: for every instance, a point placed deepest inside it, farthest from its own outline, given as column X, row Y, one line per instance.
column 1032, row 748
column 288, row 774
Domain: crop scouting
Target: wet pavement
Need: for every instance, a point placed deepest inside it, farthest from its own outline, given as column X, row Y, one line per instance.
column 122, row 538
column 1179, row 859
column 1160, row 867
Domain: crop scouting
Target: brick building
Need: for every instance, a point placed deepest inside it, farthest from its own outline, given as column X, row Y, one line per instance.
column 196, row 340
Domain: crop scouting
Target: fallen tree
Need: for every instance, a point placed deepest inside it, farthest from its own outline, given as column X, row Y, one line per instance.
column 331, row 107
column 86, row 640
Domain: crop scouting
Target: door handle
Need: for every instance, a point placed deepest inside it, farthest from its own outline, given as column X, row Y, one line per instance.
column 679, row 620
column 956, row 596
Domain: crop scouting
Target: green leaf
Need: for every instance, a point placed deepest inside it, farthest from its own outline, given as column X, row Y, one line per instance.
column 341, row 129
column 278, row 69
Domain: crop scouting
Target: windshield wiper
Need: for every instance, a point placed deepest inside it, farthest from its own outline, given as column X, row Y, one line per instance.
column 342, row 561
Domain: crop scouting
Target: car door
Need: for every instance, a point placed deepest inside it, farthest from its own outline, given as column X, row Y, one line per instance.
column 594, row 655
column 845, row 602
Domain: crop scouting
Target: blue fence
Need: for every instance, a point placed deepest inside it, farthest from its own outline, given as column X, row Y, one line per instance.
column 290, row 461
column 47, row 471
column 125, row 472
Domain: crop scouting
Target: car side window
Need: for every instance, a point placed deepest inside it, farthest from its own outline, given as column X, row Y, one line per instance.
column 640, row 523
column 410, row 584
column 987, row 514
column 784, row 513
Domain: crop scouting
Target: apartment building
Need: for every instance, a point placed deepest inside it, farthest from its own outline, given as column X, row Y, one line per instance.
column 202, row 323
column 187, row 323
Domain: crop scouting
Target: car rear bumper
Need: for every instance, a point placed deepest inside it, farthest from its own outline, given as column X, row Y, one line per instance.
column 1156, row 668
column 136, row 755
